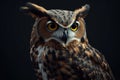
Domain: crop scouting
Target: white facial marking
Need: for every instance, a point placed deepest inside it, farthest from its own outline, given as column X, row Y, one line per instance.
column 71, row 34
column 58, row 33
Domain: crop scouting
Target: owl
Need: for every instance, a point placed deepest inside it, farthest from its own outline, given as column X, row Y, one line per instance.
column 59, row 47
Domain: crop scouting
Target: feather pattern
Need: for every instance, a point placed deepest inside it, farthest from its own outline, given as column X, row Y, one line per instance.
column 63, row 17
column 64, row 53
column 80, row 61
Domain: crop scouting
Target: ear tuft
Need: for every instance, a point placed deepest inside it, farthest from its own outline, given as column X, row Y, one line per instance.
column 34, row 10
column 82, row 12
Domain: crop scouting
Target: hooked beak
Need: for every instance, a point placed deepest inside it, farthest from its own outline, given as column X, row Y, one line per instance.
column 64, row 37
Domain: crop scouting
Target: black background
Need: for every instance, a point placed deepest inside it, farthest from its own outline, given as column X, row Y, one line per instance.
column 15, row 28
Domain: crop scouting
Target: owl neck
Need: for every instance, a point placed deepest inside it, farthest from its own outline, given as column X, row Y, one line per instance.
column 72, row 46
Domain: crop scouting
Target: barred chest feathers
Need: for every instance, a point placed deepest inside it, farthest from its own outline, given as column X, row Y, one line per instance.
column 55, row 62
column 71, row 63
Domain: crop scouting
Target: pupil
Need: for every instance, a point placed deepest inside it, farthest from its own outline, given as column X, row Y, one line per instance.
column 74, row 26
column 52, row 26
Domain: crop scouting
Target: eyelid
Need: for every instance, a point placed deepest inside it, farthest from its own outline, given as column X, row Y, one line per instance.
column 78, row 23
column 49, row 22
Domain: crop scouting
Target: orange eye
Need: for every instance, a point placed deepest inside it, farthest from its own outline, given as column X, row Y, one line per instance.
column 51, row 26
column 75, row 26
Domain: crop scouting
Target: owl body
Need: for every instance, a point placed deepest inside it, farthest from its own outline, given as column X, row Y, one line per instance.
column 59, row 46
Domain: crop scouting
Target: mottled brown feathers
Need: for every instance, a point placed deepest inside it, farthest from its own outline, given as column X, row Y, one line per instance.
column 67, row 64
column 59, row 46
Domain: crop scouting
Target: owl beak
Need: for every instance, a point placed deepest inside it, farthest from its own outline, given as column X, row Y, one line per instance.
column 64, row 37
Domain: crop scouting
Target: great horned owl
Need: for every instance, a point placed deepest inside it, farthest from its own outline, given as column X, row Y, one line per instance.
column 59, row 46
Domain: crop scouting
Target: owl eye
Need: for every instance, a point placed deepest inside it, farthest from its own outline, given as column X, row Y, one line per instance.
column 75, row 26
column 51, row 26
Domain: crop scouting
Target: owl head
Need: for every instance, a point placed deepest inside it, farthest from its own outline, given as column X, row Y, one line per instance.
column 62, row 26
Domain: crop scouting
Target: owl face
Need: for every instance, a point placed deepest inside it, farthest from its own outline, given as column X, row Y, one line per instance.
column 49, row 29
column 62, row 26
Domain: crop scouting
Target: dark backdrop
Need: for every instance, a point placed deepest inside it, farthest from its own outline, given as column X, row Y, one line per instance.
column 15, row 28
